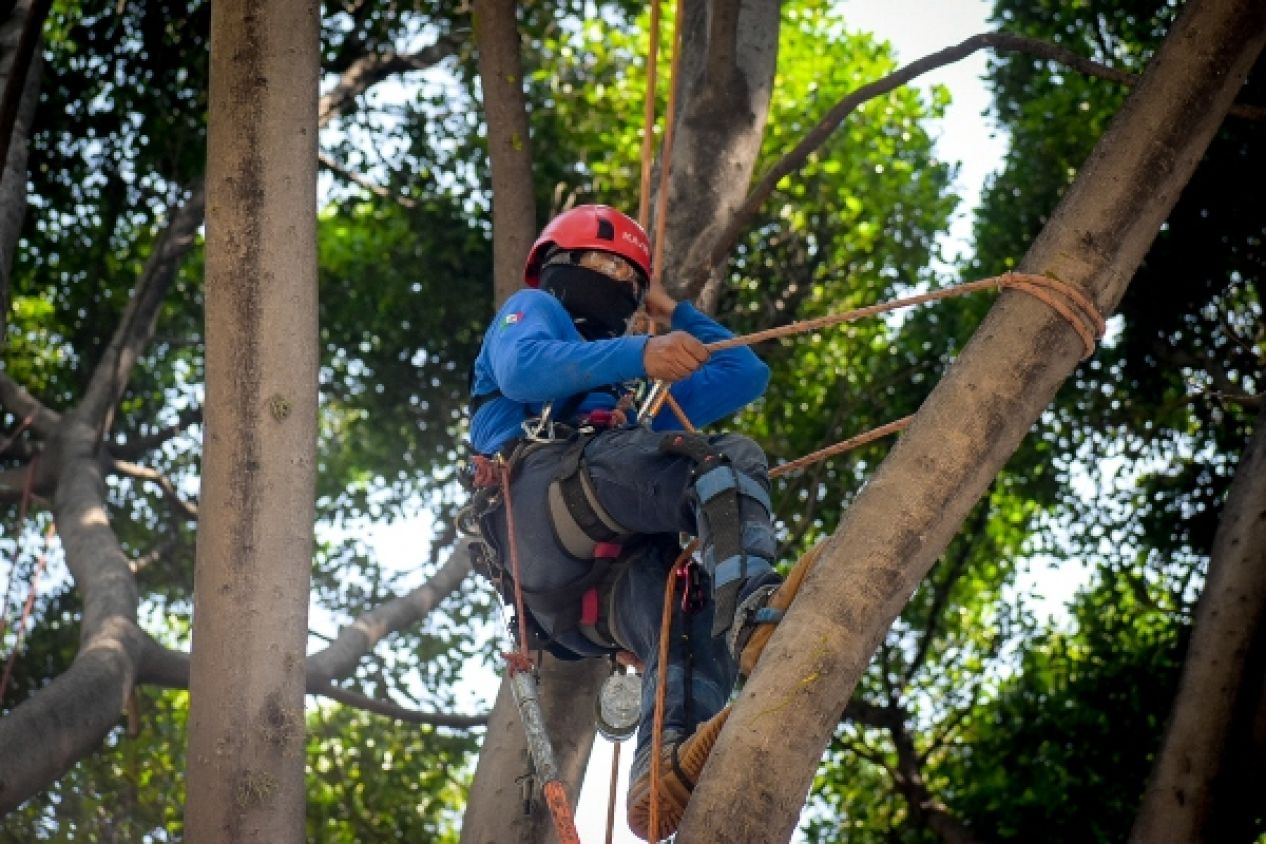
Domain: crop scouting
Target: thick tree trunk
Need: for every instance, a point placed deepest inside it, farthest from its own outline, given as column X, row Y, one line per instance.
column 247, row 678
column 13, row 177
column 505, row 804
column 509, row 145
column 967, row 429
column 729, row 55
column 497, row 809
column 1178, row 802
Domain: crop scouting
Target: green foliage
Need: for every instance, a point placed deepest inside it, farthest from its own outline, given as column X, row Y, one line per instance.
column 358, row 767
column 1079, row 723
column 134, row 790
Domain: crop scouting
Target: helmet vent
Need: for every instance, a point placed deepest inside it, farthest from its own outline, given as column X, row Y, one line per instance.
column 606, row 231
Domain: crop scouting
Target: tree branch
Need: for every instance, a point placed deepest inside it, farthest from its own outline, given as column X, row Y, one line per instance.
column 138, row 446
column 16, row 400
column 338, row 169
column 367, row 71
column 110, row 377
column 715, row 247
column 179, row 506
column 359, row 637
column 393, row 710
column 169, row 668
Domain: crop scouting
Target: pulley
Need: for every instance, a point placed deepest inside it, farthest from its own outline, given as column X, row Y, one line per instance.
column 618, row 706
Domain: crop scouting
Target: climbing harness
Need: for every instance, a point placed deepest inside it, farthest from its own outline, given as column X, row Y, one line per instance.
column 581, row 526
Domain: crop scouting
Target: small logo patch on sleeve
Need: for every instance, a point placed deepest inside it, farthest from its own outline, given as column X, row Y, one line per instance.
column 511, row 319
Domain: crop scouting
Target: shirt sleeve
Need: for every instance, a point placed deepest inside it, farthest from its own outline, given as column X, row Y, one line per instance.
column 728, row 381
column 537, row 355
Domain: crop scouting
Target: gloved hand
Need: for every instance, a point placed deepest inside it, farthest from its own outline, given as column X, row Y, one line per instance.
column 673, row 356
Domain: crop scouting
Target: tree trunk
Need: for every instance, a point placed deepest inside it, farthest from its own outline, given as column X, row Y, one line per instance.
column 497, row 809
column 968, row 427
column 509, row 145
column 13, row 176
column 247, row 677
column 505, row 804
column 1177, row 804
column 729, row 55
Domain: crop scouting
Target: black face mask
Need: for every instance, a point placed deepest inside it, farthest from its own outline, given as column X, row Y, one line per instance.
column 599, row 306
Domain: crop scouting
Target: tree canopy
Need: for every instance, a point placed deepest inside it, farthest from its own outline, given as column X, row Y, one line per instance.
column 979, row 717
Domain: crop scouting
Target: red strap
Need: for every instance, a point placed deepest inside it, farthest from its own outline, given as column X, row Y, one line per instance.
column 607, row 550
column 589, row 607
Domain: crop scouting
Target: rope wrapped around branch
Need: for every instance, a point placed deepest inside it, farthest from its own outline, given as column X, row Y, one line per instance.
column 1067, row 301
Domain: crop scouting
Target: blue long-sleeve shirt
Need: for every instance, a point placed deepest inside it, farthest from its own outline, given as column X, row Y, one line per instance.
column 532, row 353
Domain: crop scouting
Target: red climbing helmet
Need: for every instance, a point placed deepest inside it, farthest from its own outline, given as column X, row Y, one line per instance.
column 598, row 227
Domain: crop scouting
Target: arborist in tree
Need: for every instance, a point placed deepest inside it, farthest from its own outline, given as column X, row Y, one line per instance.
column 599, row 500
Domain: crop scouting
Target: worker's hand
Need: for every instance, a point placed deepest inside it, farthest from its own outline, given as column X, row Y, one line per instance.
column 673, row 356
column 659, row 305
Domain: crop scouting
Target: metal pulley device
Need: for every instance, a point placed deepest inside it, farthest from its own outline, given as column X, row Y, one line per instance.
column 618, row 706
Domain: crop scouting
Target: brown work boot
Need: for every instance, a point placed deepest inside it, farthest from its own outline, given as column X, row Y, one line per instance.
column 754, row 623
column 679, row 769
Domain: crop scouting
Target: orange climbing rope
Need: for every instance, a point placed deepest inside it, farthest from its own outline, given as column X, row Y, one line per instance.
column 661, row 682
column 1069, row 302
column 841, row 447
column 1063, row 298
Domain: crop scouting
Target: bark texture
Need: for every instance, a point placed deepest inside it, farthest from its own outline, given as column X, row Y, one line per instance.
column 966, row 430
column 729, row 53
column 247, row 679
column 1180, row 797
column 509, row 144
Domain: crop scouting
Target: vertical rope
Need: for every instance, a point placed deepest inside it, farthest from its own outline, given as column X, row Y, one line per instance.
column 514, row 565
column 666, row 156
column 521, row 673
column 615, row 777
column 661, row 685
column 648, row 118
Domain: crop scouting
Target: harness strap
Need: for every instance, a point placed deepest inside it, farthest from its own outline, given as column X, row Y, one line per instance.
column 581, row 524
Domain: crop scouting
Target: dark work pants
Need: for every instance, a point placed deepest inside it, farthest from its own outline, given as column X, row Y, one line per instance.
column 648, row 493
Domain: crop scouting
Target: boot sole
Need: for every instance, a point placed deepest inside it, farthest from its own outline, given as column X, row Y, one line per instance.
column 675, row 782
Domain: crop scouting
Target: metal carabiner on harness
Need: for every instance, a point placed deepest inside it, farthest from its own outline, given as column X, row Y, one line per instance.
column 654, row 399
column 540, row 429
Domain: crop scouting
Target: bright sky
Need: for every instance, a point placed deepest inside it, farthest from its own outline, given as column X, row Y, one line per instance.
column 915, row 28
